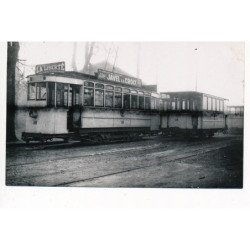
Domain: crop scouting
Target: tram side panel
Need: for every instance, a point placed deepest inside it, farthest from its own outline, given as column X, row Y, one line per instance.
column 96, row 118
column 46, row 121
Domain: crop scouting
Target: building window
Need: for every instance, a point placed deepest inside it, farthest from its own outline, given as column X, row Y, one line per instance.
column 32, row 91
column 109, row 98
column 188, row 105
column 88, row 97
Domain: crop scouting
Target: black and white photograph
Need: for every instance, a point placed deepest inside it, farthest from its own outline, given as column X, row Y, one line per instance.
column 125, row 114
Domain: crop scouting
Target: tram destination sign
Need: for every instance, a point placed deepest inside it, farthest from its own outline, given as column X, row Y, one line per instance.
column 115, row 77
column 50, row 67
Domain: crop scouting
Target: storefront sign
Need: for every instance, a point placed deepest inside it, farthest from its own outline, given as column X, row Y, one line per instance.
column 115, row 77
column 50, row 67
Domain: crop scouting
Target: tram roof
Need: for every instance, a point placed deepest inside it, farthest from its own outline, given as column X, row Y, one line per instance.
column 193, row 93
column 83, row 76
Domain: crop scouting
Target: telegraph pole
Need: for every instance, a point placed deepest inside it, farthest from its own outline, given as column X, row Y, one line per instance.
column 196, row 73
column 138, row 60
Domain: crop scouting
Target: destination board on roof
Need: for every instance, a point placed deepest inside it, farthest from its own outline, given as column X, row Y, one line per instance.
column 115, row 77
column 50, row 67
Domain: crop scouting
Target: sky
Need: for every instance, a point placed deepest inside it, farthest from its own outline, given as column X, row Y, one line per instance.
column 216, row 67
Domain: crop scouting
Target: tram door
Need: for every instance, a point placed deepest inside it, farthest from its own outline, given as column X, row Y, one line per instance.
column 74, row 112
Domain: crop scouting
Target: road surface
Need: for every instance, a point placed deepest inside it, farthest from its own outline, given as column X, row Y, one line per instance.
column 155, row 162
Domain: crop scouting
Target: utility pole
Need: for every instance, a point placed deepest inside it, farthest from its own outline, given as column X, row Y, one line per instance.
column 196, row 73
column 138, row 60
column 12, row 57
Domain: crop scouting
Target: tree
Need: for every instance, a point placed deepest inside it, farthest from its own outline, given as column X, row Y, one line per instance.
column 12, row 57
column 89, row 47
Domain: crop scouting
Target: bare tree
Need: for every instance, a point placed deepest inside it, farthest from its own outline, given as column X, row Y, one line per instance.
column 89, row 48
column 12, row 57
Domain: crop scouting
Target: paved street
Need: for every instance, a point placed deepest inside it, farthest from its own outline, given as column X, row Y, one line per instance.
column 152, row 162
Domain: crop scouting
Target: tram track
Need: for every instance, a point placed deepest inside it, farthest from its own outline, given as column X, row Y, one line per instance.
column 103, row 152
column 172, row 159
column 93, row 165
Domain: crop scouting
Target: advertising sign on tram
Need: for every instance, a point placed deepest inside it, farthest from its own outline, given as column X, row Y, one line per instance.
column 50, row 67
column 115, row 77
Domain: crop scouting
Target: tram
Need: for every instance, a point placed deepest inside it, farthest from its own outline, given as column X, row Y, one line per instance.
column 72, row 105
column 192, row 113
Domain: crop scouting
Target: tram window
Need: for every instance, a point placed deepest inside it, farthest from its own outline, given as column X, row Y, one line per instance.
column 88, row 97
column 32, row 91
column 99, row 98
column 70, row 96
column 41, row 92
column 205, row 102
column 99, row 86
column 109, row 98
column 76, row 95
column 173, row 105
column 65, row 96
column 194, row 105
column 89, row 84
column 209, row 103
column 126, row 91
column 214, row 103
column 118, row 89
column 126, row 101
column 165, row 96
column 61, row 95
column 217, row 105
column 141, row 102
column 165, row 105
column 134, row 101
column 183, row 105
column 188, row 106
column 178, row 105
column 109, row 87
column 222, row 106
column 152, row 103
column 157, row 104
column 147, row 102
column 118, row 100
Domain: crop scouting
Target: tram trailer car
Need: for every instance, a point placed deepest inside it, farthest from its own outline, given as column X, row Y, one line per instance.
column 72, row 105
column 235, row 119
column 192, row 113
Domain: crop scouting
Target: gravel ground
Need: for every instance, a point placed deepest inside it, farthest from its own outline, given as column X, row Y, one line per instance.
column 156, row 162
